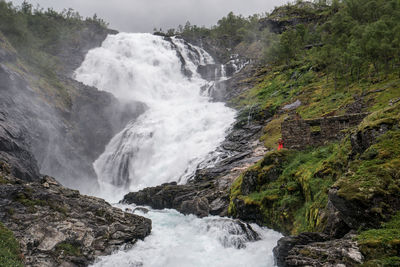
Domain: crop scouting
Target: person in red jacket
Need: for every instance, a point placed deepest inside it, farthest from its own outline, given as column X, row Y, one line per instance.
column 280, row 144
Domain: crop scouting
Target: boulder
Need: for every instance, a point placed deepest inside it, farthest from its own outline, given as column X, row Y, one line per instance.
column 315, row 249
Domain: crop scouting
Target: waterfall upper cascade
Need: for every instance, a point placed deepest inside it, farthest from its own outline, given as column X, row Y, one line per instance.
column 180, row 127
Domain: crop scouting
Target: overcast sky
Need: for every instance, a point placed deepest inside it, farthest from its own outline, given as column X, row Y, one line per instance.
column 144, row 15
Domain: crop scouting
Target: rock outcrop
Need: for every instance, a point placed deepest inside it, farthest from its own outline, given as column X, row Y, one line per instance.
column 315, row 249
column 288, row 16
column 57, row 226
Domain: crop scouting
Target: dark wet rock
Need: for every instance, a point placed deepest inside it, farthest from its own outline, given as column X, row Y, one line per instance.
column 315, row 249
column 184, row 198
column 250, row 182
column 236, row 85
column 57, row 226
column 362, row 140
column 198, row 206
column 248, row 212
column 286, row 244
column 238, row 233
column 14, row 146
column 141, row 209
column 356, row 213
column 209, row 72
column 335, row 226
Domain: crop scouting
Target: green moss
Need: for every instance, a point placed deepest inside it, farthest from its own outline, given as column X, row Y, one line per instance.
column 378, row 175
column 10, row 255
column 389, row 115
column 292, row 186
column 234, row 193
column 27, row 200
column 71, row 249
column 381, row 247
column 272, row 132
column 2, row 180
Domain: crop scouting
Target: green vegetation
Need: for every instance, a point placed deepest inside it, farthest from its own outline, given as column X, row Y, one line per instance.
column 292, row 185
column 69, row 248
column 347, row 53
column 360, row 40
column 38, row 37
column 28, row 199
column 9, row 249
column 382, row 246
column 229, row 31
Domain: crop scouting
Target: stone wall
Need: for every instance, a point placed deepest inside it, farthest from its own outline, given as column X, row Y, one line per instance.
column 298, row 133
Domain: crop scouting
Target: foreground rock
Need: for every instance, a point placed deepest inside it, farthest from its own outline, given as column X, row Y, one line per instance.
column 315, row 249
column 57, row 226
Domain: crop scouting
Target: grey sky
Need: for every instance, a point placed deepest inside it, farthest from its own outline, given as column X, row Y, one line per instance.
column 144, row 15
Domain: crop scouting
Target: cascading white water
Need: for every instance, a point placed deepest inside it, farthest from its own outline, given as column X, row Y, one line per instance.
column 187, row 241
column 180, row 127
column 177, row 132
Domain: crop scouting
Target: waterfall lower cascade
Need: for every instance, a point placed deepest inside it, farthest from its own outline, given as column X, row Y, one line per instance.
column 178, row 131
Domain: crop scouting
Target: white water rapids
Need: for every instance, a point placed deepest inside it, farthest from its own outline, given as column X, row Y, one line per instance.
column 179, row 130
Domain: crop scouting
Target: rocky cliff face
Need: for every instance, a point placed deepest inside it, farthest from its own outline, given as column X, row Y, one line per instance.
column 56, row 124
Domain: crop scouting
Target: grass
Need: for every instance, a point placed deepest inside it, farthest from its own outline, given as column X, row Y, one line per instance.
column 381, row 247
column 292, row 186
column 272, row 132
column 376, row 172
column 10, row 254
column 70, row 249
column 27, row 199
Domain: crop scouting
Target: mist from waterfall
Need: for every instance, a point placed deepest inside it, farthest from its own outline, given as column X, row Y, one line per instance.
column 180, row 127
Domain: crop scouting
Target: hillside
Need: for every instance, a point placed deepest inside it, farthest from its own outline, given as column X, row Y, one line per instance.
column 340, row 186
column 320, row 61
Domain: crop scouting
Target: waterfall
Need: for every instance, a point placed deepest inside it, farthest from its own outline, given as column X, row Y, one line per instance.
column 180, row 127
column 179, row 131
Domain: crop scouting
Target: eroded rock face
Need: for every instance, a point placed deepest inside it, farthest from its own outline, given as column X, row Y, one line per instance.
column 57, row 226
column 37, row 134
column 315, row 249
